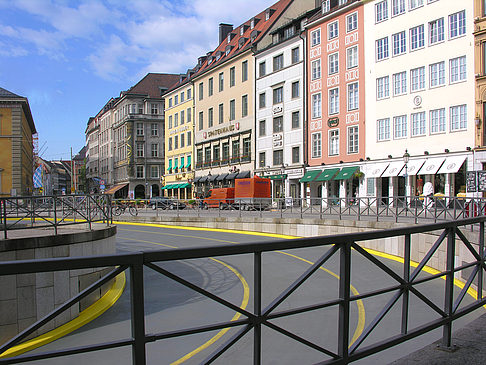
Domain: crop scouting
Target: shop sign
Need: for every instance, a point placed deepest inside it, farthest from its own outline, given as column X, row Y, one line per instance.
column 333, row 122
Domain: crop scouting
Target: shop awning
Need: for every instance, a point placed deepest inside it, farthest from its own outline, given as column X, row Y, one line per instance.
column 203, row 179
column 413, row 166
column 376, row 170
column 188, row 161
column 327, row 174
column 276, row 177
column 212, row 177
column 431, row 166
column 176, row 164
column 171, row 186
column 231, row 176
column 221, row 177
column 346, row 173
column 170, row 165
column 196, row 179
column 115, row 188
column 243, row 175
column 394, row 169
column 310, row 175
column 452, row 164
column 184, row 185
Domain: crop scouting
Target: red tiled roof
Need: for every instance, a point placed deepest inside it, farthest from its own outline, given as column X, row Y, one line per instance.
column 152, row 83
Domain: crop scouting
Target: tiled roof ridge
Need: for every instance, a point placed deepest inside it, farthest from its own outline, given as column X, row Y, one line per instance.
column 4, row 93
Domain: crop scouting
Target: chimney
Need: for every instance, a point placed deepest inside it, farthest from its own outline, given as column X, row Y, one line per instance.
column 224, row 29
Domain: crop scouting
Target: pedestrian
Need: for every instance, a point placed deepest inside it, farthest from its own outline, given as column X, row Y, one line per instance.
column 428, row 194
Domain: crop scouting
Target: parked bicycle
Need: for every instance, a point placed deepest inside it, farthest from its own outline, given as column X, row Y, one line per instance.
column 120, row 208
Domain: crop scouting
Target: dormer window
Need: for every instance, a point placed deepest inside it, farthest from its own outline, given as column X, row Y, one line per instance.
column 252, row 23
column 268, row 13
column 228, row 50
column 230, row 37
column 242, row 30
column 326, row 6
column 241, row 42
column 254, row 34
column 218, row 55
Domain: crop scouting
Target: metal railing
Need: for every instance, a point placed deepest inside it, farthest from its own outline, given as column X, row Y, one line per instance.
column 28, row 212
column 340, row 247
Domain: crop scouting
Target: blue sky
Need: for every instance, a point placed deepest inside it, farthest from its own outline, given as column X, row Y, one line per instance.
column 69, row 57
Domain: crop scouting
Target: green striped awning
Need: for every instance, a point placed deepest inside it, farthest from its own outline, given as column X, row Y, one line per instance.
column 170, row 165
column 310, row 175
column 327, row 174
column 184, row 185
column 346, row 173
column 188, row 161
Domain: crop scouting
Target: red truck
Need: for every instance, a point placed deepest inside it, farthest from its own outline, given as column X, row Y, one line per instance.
column 250, row 193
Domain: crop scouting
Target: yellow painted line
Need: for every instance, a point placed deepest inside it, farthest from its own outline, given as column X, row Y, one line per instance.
column 153, row 243
column 86, row 316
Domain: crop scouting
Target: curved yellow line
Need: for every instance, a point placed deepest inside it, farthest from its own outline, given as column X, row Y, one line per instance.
column 90, row 313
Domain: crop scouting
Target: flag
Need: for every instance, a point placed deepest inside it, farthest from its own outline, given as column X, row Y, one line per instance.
column 38, row 177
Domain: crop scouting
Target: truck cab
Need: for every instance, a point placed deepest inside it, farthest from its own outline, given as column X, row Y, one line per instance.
column 222, row 198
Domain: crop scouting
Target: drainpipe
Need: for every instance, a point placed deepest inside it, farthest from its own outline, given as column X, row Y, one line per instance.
column 304, row 109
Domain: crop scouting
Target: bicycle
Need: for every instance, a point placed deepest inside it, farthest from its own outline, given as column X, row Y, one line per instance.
column 119, row 209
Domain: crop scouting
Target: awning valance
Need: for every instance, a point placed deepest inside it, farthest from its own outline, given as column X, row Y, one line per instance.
column 452, row 164
column 221, row 177
column 346, row 173
column 243, row 175
column 376, row 170
column 196, row 179
column 412, row 167
column 184, row 185
column 431, row 166
column 327, row 174
column 115, row 188
column 394, row 169
column 310, row 175
column 212, row 177
column 231, row 176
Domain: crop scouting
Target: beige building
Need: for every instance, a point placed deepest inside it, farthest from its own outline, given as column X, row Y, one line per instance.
column 480, row 69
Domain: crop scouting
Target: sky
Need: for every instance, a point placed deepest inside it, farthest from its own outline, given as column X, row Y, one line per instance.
column 70, row 57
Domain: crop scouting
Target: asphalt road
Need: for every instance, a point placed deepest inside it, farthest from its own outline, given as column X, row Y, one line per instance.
column 169, row 306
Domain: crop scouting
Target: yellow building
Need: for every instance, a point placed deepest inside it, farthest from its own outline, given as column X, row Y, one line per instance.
column 480, row 70
column 16, row 130
column 179, row 139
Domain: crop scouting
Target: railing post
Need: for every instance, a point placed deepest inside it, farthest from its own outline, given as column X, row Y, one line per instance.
column 55, row 216
column 4, row 207
column 481, row 255
column 137, row 311
column 32, row 212
column 257, row 304
column 449, row 289
column 89, row 213
column 406, row 278
column 344, row 294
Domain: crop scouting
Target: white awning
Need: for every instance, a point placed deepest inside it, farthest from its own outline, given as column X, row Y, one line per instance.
column 452, row 164
column 394, row 169
column 376, row 170
column 431, row 166
column 413, row 166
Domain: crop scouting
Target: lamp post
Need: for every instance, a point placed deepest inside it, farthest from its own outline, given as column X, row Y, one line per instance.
column 406, row 158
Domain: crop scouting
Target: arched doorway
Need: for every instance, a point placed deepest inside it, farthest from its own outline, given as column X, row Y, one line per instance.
column 155, row 190
column 140, row 192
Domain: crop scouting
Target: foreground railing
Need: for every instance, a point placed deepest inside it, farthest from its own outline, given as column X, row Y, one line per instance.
column 53, row 211
column 344, row 248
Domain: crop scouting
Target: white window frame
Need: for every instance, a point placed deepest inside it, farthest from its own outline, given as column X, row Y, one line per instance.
column 414, row 4
column 353, row 96
column 381, row 11
column 400, row 129
column 382, row 49
column 383, row 87
column 417, row 37
column 457, row 69
column 334, row 142
column 457, row 24
column 351, row 22
column 398, row 7
column 316, row 69
column 399, row 43
column 436, row 31
column 352, row 57
column 316, row 105
column 458, row 118
column 417, row 79
column 333, row 30
column 316, row 140
column 437, row 122
column 353, row 139
column 315, row 37
column 400, row 83
column 437, row 74
column 383, row 130
column 333, row 101
column 333, row 63
column 418, row 123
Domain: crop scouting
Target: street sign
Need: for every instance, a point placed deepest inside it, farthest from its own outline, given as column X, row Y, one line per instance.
column 102, row 187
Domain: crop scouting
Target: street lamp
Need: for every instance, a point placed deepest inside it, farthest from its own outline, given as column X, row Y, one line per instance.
column 406, row 158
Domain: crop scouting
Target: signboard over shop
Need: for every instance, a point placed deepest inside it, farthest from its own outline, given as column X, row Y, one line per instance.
column 222, row 130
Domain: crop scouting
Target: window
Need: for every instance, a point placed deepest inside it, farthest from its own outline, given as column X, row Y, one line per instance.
column 277, row 62
column 278, row 95
column 207, row 155
column 295, row 89
column 261, row 160
column 176, row 120
column 315, row 37
column 154, row 150
column 140, row 172
column 182, row 117
column 458, row 117
column 244, row 106
column 353, row 139
column 188, row 115
column 418, row 124
column 400, row 83
column 351, row 22
column 244, row 71
column 232, row 76
column 417, row 79
column 382, row 48
column 176, row 100
column 437, row 74
column 400, row 127
column 383, row 87
column 155, row 107
column 381, row 11
column 154, row 129
column 333, row 63
column 437, row 121
column 235, row 148
column 277, row 157
column 200, row 157
column 457, row 69
column 352, row 57
column 353, row 96
column 261, row 100
column 295, row 120
column 154, row 172
column 316, row 145
column 221, row 113
column 398, row 7
column 316, row 105
column 295, row 154
column 383, row 129
column 182, row 140
column 334, row 142
column 216, row 153
column 189, row 93
column 232, row 109
column 436, row 31
column 262, row 128
column 210, row 117
column 332, row 30
column 201, row 90
column 221, row 81
column 225, row 151
column 170, row 144
column 170, row 102
column 182, row 97
column 139, row 149
column 262, row 68
column 139, row 129
column 201, row 121
column 417, row 37
column 210, row 86
column 295, row 55
column 416, row 3
column 399, row 43
column 277, row 124
column 334, row 101
column 316, row 69
column 176, row 142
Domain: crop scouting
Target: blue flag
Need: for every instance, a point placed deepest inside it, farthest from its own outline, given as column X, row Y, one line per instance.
column 38, row 177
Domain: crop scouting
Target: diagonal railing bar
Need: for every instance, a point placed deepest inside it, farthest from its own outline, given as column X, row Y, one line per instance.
column 300, row 339
column 374, row 293
column 29, row 330
column 464, row 290
column 231, row 341
column 427, row 301
column 303, row 309
column 468, row 244
column 388, row 306
column 190, row 285
column 428, row 256
column 378, row 263
column 297, row 283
